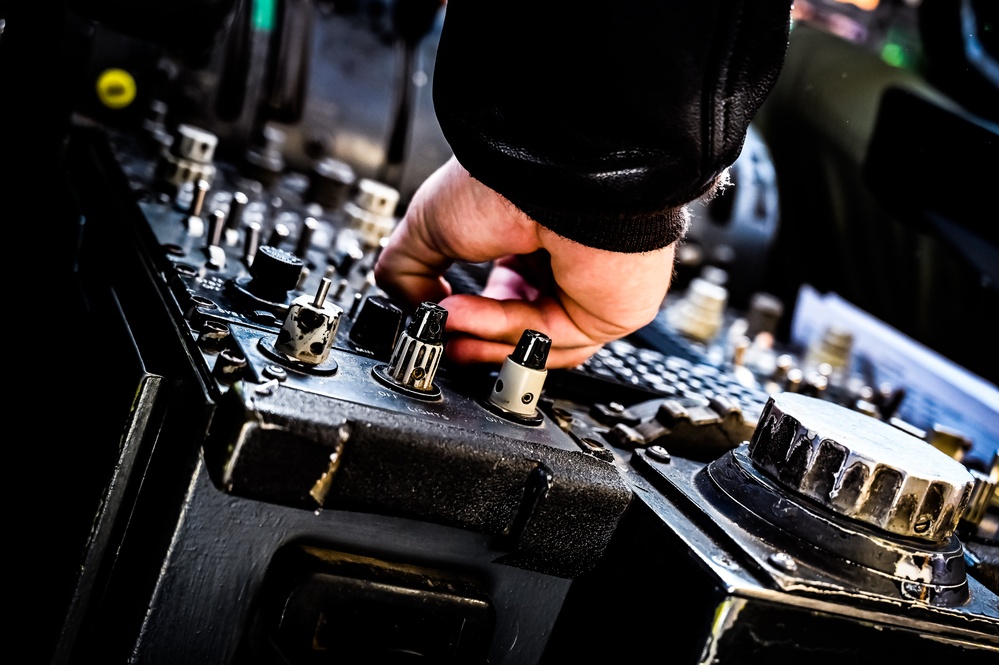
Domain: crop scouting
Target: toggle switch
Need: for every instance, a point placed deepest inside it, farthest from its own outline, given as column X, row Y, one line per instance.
column 310, row 327
column 417, row 354
column 305, row 236
column 521, row 379
column 195, row 224
column 234, row 217
column 214, row 254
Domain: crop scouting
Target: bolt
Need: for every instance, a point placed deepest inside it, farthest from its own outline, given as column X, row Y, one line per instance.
column 275, row 372
column 923, row 525
column 659, row 453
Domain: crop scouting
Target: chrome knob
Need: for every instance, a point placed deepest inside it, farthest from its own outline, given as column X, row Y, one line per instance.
column 859, row 467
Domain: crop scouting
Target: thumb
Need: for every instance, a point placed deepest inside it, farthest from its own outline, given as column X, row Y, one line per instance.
column 411, row 268
column 452, row 217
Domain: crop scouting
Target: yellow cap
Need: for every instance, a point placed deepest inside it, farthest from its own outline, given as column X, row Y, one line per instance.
column 116, row 88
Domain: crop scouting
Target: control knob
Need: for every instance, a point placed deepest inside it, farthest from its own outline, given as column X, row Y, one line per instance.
column 521, row 378
column 417, row 354
column 858, row 467
column 310, row 327
column 377, row 326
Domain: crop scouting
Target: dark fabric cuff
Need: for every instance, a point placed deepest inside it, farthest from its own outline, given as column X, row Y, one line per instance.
column 601, row 121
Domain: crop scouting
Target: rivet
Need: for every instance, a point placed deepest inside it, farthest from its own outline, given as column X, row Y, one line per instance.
column 783, row 561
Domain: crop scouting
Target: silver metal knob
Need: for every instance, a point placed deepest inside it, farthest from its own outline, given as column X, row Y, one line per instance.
column 522, row 378
column 371, row 213
column 859, row 467
column 189, row 158
column 418, row 353
column 310, row 328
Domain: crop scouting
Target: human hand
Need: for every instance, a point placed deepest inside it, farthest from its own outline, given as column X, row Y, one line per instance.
column 578, row 296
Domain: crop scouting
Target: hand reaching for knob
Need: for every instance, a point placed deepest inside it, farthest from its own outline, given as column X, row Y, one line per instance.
column 579, row 296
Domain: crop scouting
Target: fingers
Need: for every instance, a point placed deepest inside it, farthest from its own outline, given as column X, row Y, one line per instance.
column 594, row 297
column 466, row 350
column 505, row 320
column 608, row 294
column 485, row 330
column 506, row 282
column 410, row 268
column 579, row 296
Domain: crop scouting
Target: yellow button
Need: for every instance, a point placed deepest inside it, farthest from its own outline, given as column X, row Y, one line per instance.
column 115, row 88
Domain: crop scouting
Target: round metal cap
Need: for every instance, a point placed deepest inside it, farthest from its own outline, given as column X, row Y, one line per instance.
column 859, row 467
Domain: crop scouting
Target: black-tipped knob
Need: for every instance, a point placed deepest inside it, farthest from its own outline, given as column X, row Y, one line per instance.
column 330, row 182
column 275, row 271
column 532, row 350
column 428, row 323
column 377, row 326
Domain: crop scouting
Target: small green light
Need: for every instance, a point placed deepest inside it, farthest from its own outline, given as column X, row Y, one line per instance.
column 894, row 55
column 264, row 12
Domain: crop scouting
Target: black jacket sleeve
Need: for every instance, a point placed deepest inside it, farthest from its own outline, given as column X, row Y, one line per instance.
column 600, row 120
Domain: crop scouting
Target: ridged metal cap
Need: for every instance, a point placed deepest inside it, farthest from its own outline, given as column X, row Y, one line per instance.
column 419, row 350
column 376, row 197
column 859, row 467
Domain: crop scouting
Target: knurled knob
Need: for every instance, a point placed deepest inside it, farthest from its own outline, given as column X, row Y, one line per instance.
column 274, row 272
column 376, row 197
column 700, row 313
column 377, row 326
column 418, row 351
column 858, row 467
column 371, row 212
column 189, row 157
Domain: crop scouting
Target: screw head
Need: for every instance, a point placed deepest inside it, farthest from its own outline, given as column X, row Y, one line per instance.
column 783, row 561
column 658, row 453
column 275, row 372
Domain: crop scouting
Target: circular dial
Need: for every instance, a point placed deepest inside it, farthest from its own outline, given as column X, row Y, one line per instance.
column 859, row 467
